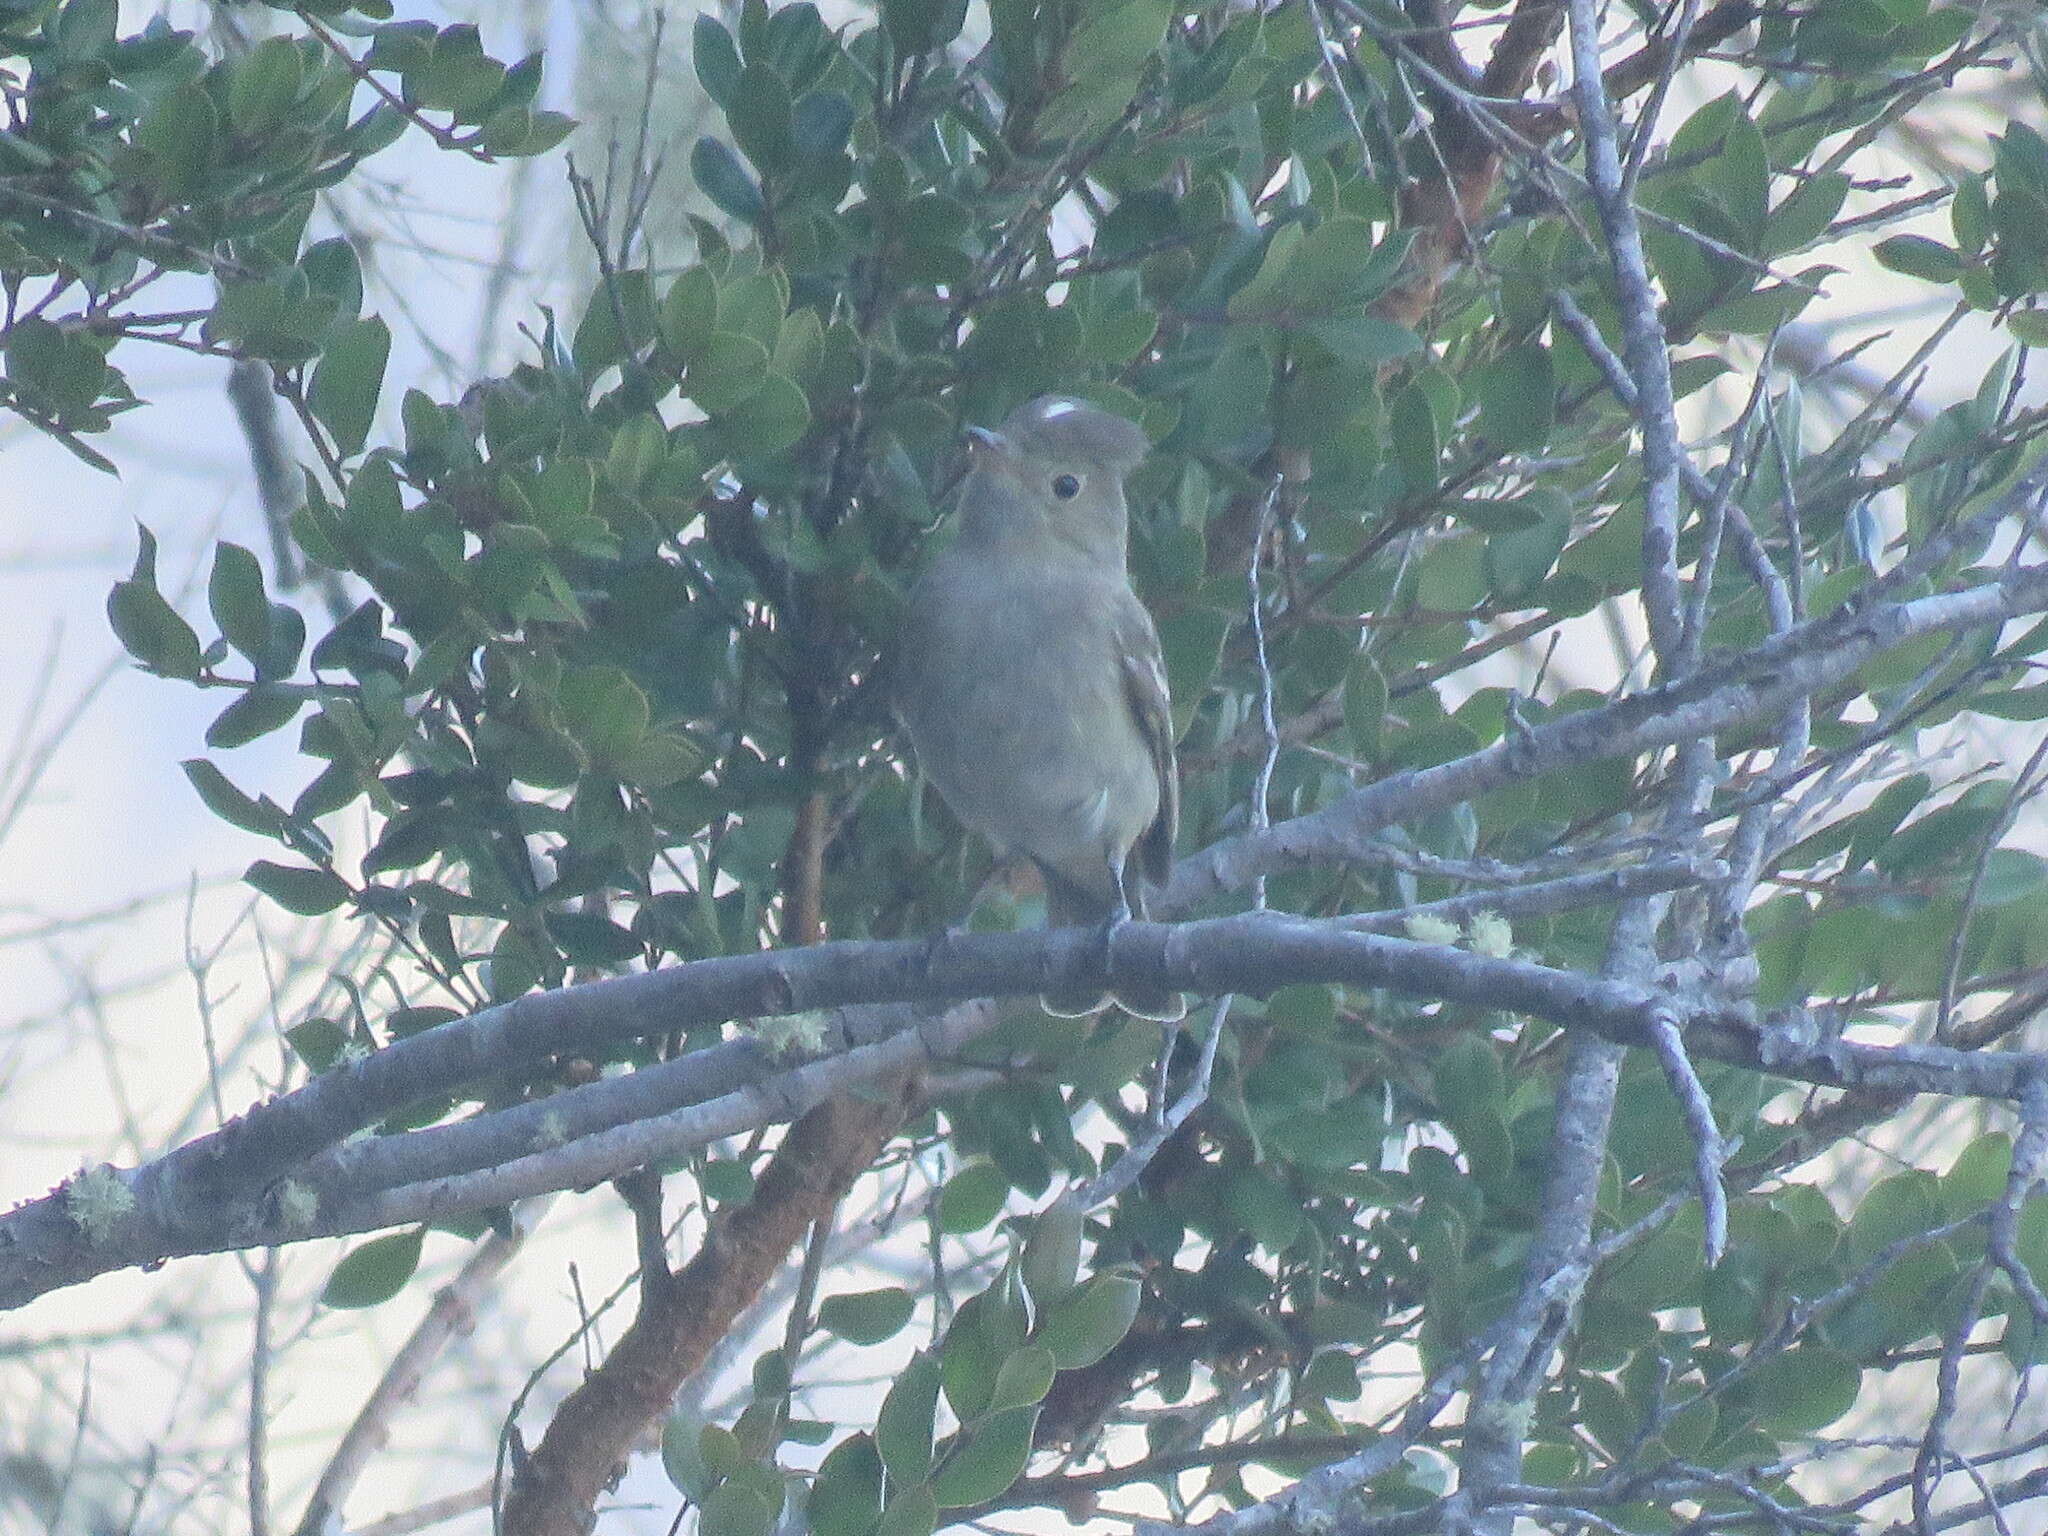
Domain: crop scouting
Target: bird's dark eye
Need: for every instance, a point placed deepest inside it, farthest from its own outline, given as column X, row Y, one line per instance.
column 1066, row 487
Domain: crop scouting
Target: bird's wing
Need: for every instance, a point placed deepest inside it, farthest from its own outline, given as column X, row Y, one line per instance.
column 1144, row 675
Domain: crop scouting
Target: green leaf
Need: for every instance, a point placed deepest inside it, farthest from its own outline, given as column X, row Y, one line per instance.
column 263, row 86
column 1517, row 561
column 589, row 938
column 1518, row 398
column 1903, row 1205
column 770, row 419
column 55, row 368
column 1451, row 576
column 1978, row 1175
column 403, row 1022
column 919, row 26
column 1875, row 826
column 604, row 710
column 730, row 369
column 180, row 133
column 1417, row 442
column 335, row 786
column 867, row 1317
column 1803, row 1390
column 846, row 1495
column 1361, row 342
column 658, row 760
column 903, row 1428
column 1265, row 293
column 726, row 1181
column 287, row 642
column 229, row 803
column 1052, row 1253
column 408, row 840
column 1263, row 1206
column 1089, row 1322
column 284, row 319
column 307, row 892
column 682, row 1453
column 334, row 275
column 1365, row 707
column 1754, row 314
column 1023, row 1379
column 519, row 132
column 1192, row 641
column 755, row 305
column 151, row 630
column 1310, row 279
column 515, row 966
column 913, row 1512
column 1937, row 838
column 1918, row 256
column 724, row 1455
column 734, row 1509
column 991, row 1460
column 715, row 57
column 259, row 711
column 2010, row 875
column 689, row 312
column 456, row 80
column 1804, row 216
column 760, row 113
column 638, row 449
column 2029, row 326
column 318, row 1042
column 618, row 321
column 725, row 181
column 1970, row 214
column 1103, row 61
column 347, row 381
column 84, row 28
column 375, row 1271
column 234, row 593
column 980, row 1338
column 821, row 125
column 1740, row 175
column 375, row 131
column 1469, row 1081
column 973, row 1198
column 1342, row 263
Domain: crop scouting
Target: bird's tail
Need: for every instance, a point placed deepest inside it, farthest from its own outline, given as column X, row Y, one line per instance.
column 1068, row 904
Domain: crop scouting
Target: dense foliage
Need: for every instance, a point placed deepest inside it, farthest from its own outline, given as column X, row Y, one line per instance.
column 609, row 693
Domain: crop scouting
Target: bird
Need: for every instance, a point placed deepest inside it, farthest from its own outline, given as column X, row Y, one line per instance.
column 1030, row 679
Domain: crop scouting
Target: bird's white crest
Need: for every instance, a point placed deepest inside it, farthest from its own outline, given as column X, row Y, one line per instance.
column 1054, row 409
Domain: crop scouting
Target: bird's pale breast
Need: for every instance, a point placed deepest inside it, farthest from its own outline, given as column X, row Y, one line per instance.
column 1078, row 777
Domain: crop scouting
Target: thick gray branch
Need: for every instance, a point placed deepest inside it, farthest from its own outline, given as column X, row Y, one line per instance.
column 1779, row 671
column 237, row 1187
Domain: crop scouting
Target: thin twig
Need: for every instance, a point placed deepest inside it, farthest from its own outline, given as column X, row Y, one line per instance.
column 1710, row 1151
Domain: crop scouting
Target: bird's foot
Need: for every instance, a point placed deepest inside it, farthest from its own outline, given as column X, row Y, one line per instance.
column 936, row 946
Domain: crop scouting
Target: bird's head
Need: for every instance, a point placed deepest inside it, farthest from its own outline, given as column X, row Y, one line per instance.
column 1055, row 467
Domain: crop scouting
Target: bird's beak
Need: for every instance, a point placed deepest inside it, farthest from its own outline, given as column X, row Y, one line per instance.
column 983, row 440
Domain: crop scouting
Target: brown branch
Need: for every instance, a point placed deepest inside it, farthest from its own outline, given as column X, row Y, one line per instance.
column 1432, row 40
column 1641, row 68
column 598, row 1424
column 1450, row 198
column 684, row 1315
column 803, row 873
column 1528, row 36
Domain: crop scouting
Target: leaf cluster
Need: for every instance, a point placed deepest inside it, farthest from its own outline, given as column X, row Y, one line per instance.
column 127, row 161
column 612, row 693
